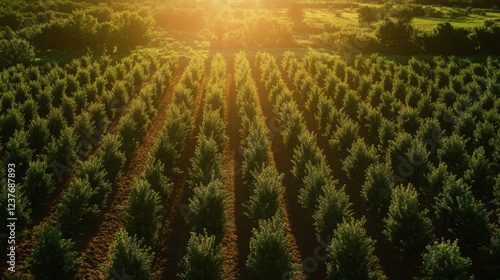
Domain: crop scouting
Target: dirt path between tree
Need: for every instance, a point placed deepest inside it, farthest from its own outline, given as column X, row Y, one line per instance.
column 176, row 232
column 95, row 251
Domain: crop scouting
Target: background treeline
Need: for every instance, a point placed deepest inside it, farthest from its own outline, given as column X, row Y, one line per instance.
column 396, row 33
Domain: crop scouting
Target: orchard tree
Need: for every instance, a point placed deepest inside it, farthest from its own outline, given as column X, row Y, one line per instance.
column 53, row 257
column 461, row 213
column 143, row 212
column 407, row 228
column 442, row 260
column 351, row 253
column 128, row 257
column 203, row 259
column 333, row 209
column 270, row 252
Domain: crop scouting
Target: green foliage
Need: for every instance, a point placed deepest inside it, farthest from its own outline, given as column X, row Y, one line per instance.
column 14, row 50
column 360, row 157
column 448, row 40
column 166, row 153
column 112, row 157
column 351, row 253
column 38, row 183
column 213, row 126
column 160, row 183
column 397, row 37
column 207, row 208
column 76, row 208
column 203, row 259
column 345, row 135
column 255, row 152
column 295, row 11
column 266, row 193
column 366, row 15
column 333, row 209
column 435, row 179
column 18, row 152
column 407, row 228
column 462, row 214
column 491, row 254
column 206, row 162
column 53, row 257
column 454, row 154
column 270, row 252
column 143, row 214
column 316, row 177
column 94, row 171
column 129, row 257
column 306, row 152
column 377, row 188
column 443, row 261
column 479, row 175
column 10, row 122
column 56, row 122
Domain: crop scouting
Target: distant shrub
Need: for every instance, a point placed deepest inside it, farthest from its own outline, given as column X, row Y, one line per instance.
column 203, row 259
column 207, row 208
column 143, row 214
column 295, row 11
column 270, row 252
column 367, row 15
column 407, row 228
column 448, row 40
column 397, row 37
column 129, row 258
column 15, row 50
column 443, row 261
column 351, row 253
column 63, row 261
column 266, row 193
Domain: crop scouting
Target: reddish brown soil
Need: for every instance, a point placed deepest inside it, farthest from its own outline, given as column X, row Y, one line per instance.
column 176, row 231
column 230, row 239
